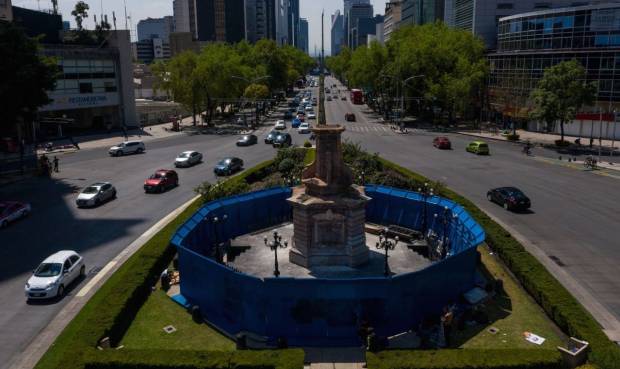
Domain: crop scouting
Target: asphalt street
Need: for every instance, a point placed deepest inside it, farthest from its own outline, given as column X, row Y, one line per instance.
column 575, row 213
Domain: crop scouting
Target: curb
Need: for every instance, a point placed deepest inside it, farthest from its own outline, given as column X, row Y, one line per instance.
column 29, row 358
column 489, row 138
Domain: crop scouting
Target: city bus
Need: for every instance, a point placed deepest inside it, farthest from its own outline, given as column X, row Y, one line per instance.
column 356, row 97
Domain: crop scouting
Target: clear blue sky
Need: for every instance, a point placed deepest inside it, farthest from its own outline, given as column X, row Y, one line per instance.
column 140, row 9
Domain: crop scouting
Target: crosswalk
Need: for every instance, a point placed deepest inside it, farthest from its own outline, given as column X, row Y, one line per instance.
column 376, row 129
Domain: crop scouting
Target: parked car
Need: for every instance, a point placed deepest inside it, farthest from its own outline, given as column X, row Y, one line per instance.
column 52, row 277
column 478, row 148
column 280, row 124
column 283, row 140
column 127, row 147
column 296, row 123
column 161, row 181
column 271, row 136
column 349, row 117
column 442, row 142
column 304, row 128
column 311, row 115
column 510, row 198
column 247, row 140
column 228, row 166
column 95, row 194
column 10, row 211
column 187, row 159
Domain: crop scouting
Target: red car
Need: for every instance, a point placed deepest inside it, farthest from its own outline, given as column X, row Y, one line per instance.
column 161, row 180
column 11, row 211
column 442, row 143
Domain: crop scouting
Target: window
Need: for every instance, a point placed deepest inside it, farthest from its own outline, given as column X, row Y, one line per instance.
column 67, row 265
column 110, row 87
column 504, row 6
column 74, row 259
column 86, row 88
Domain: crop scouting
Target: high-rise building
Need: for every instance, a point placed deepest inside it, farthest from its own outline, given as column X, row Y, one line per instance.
column 304, row 41
column 337, row 33
column 185, row 17
column 160, row 28
column 348, row 4
column 293, row 23
column 356, row 12
column 362, row 28
column 393, row 11
column 422, row 11
column 220, row 20
column 6, row 12
column 267, row 19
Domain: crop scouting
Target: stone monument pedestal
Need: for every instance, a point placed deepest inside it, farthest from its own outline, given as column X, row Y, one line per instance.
column 328, row 211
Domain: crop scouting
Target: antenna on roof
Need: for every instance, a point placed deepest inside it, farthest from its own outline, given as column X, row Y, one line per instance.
column 126, row 26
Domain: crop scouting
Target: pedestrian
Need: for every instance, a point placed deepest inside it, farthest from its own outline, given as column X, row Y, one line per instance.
column 56, row 164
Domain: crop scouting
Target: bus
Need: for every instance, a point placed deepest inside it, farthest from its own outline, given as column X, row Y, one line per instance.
column 356, row 97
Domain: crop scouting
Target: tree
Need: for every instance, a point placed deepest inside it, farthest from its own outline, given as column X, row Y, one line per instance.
column 561, row 92
column 27, row 77
column 256, row 91
column 80, row 12
column 339, row 64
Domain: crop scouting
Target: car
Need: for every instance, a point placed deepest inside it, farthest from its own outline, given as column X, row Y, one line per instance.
column 271, row 136
column 295, row 123
column 52, row 277
column 247, row 140
column 301, row 109
column 343, row 98
column 442, row 142
column 187, row 159
column 288, row 115
column 329, row 98
column 161, row 180
column 311, row 115
column 127, row 147
column 11, row 211
column 228, row 166
column 327, row 90
column 309, row 108
column 511, row 198
column 314, row 103
column 280, row 125
column 304, row 128
column 301, row 117
column 283, row 140
column 478, row 148
column 349, row 117
column 95, row 194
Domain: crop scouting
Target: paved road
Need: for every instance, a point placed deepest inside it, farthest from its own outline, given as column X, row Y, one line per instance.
column 101, row 233
column 574, row 219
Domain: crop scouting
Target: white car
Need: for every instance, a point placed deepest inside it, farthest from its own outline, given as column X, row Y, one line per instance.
column 309, row 108
column 95, row 194
column 54, row 275
column 304, row 128
column 187, row 159
column 127, row 147
column 311, row 115
column 280, row 125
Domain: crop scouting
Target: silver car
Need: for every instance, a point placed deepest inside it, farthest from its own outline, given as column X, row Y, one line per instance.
column 187, row 159
column 95, row 194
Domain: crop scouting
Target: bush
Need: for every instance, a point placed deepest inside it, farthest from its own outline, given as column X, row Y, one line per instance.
column 561, row 143
column 512, row 137
column 307, row 144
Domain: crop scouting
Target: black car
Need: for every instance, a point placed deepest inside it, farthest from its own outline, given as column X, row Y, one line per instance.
column 282, row 140
column 510, row 198
column 228, row 166
column 271, row 136
column 247, row 140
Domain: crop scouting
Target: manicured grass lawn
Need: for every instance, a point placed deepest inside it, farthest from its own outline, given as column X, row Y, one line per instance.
column 512, row 313
column 159, row 311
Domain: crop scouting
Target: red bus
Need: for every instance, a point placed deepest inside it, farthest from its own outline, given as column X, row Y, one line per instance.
column 356, row 97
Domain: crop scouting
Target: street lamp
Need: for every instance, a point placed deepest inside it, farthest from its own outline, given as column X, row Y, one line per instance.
column 426, row 192
column 215, row 221
column 446, row 219
column 274, row 246
column 386, row 244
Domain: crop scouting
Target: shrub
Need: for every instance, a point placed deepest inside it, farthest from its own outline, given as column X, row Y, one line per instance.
column 512, row 137
column 307, row 144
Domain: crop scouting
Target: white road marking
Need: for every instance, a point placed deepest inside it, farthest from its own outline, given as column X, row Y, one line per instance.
column 96, row 279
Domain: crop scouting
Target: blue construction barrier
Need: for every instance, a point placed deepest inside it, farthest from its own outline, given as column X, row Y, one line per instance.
column 317, row 312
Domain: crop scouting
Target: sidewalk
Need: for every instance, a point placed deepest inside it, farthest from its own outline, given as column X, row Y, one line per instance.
column 539, row 138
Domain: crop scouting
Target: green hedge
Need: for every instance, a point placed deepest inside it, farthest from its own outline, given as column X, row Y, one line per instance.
column 169, row 359
column 468, row 358
column 556, row 301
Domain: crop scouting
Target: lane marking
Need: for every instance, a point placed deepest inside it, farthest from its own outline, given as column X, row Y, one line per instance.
column 89, row 286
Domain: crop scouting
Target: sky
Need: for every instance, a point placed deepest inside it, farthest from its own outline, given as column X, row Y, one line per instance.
column 141, row 9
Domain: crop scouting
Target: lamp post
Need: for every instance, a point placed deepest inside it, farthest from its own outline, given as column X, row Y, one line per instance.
column 426, row 192
column 446, row 219
column 274, row 246
column 216, row 221
column 386, row 244
column 249, row 82
column 402, row 97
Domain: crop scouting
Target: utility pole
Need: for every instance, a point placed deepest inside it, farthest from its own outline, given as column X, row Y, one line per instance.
column 322, row 41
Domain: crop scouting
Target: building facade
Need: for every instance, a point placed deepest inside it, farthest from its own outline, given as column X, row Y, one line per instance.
column 393, row 12
column 6, row 11
column 337, row 33
column 293, row 23
column 529, row 43
column 304, row 36
column 149, row 50
column 422, row 11
column 46, row 25
column 348, row 4
column 151, row 28
column 357, row 12
column 267, row 19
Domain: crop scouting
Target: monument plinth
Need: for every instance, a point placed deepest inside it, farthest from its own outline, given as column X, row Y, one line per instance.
column 328, row 210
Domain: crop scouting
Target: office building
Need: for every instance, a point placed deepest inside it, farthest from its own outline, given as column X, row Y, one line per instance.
column 379, row 28
column 159, row 28
column 393, row 12
column 220, row 20
column 337, row 33
column 293, row 23
column 422, row 11
column 363, row 28
column 267, row 19
column 149, row 50
column 185, row 17
column 304, row 41
column 528, row 43
column 357, row 12
column 481, row 16
column 348, row 4
column 39, row 24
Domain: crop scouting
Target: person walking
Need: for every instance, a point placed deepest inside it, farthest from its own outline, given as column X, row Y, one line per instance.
column 55, row 161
